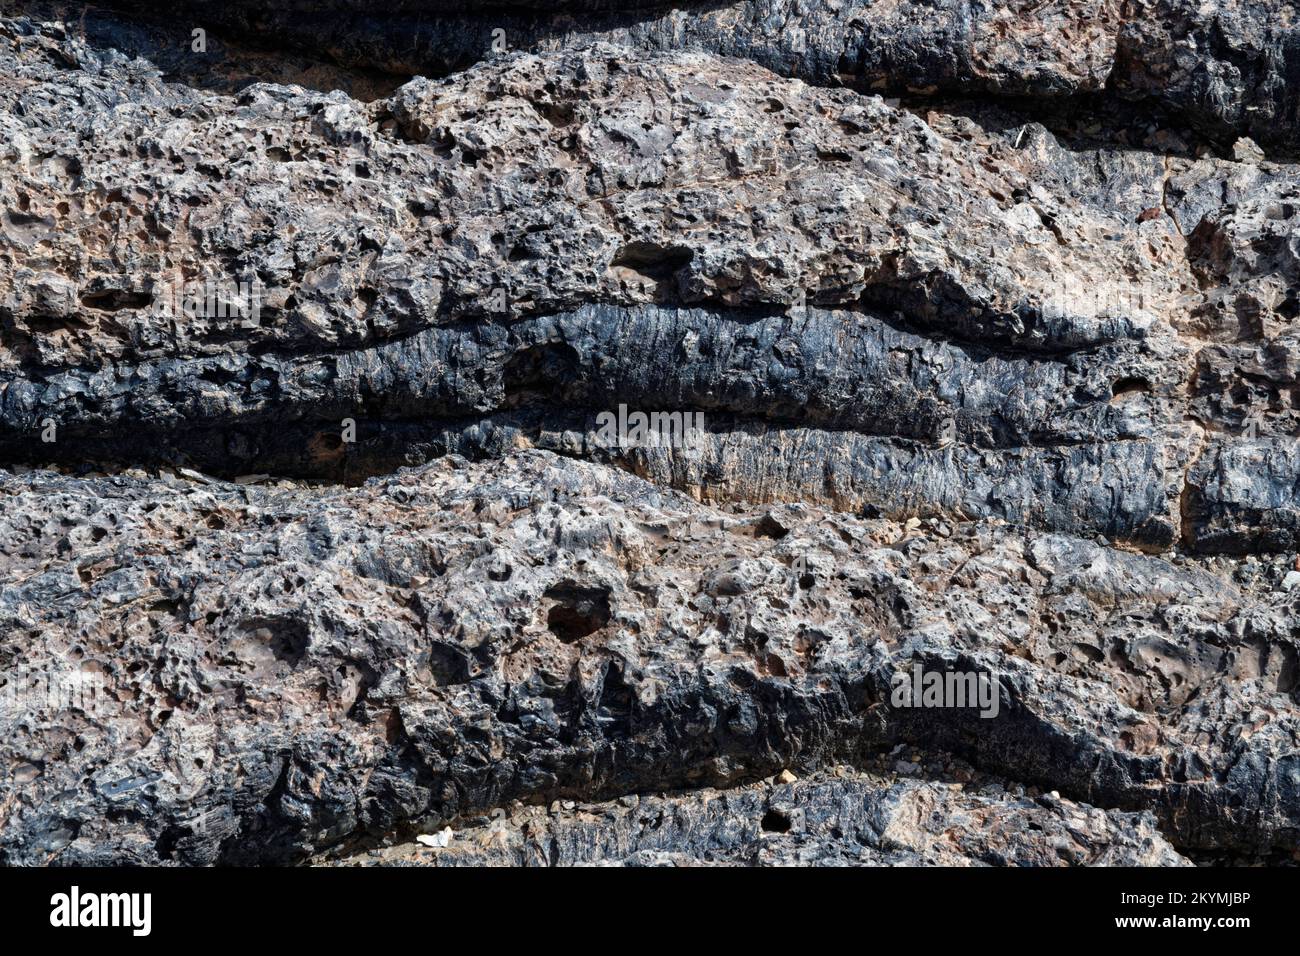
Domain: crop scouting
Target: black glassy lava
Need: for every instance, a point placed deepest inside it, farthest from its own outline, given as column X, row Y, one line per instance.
column 878, row 400
column 994, row 378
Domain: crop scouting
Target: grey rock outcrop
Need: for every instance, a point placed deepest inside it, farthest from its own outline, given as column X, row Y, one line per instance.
column 678, row 178
column 1227, row 68
column 996, row 379
column 1070, row 313
column 277, row 671
column 873, row 417
column 835, row 819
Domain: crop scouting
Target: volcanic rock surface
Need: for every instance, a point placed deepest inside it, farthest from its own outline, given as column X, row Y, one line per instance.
column 1225, row 67
column 840, row 818
column 988, row 312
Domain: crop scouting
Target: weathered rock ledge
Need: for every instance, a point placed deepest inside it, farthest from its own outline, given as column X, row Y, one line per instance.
column 995, row 378
column 840, row 818
column 1226, row 68
column 283, row 670
column 1046, row 355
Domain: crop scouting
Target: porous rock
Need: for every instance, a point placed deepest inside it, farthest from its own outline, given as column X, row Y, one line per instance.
column 995, row 378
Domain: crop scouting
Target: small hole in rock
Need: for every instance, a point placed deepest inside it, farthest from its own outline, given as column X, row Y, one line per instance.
column 774, row 821
column 577, row 611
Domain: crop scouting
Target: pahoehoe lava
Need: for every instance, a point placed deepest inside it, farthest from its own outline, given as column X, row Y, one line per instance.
column 988, row 312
